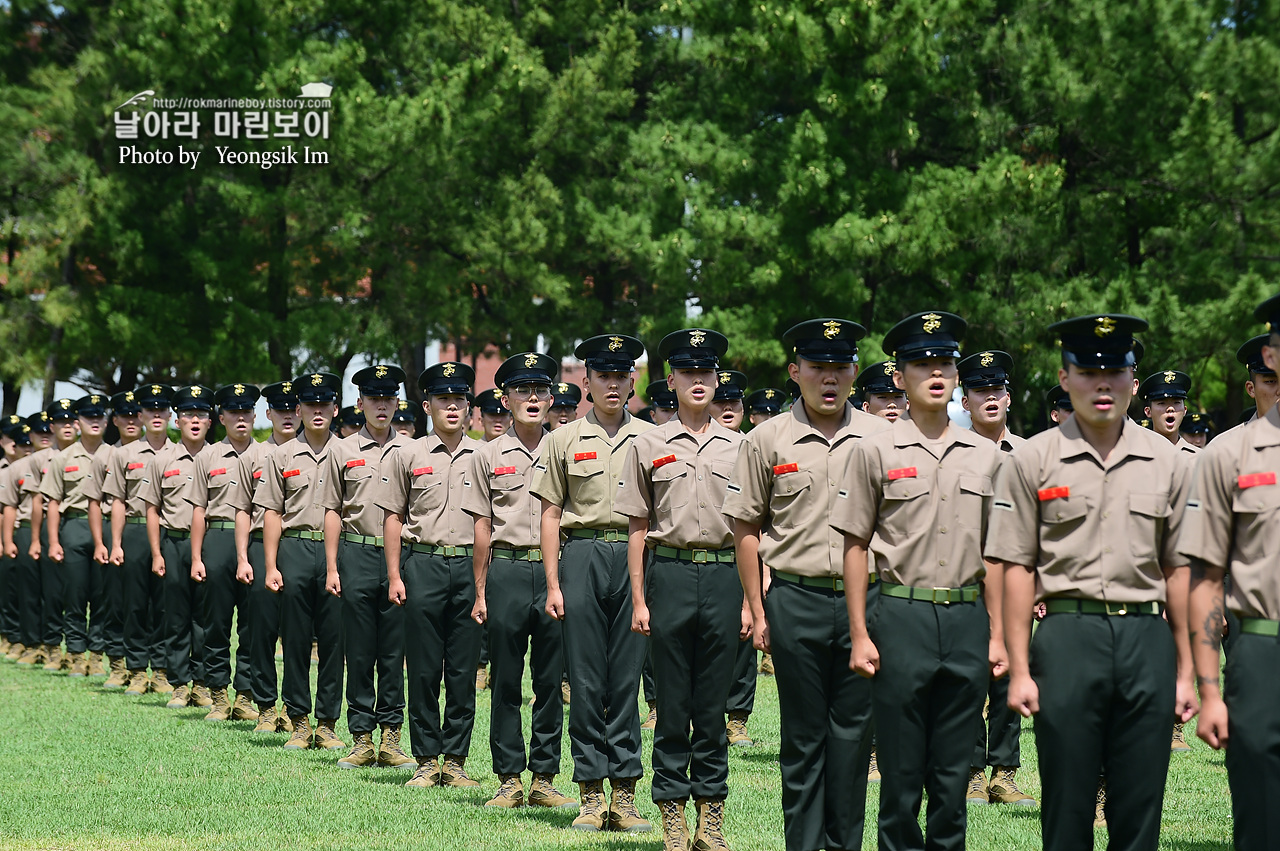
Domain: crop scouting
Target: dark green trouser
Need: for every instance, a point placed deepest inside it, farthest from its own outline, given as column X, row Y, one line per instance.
column 695, row 612
column 646, row 677
column 604, row 658
column 516, row 599
column 183, row 602
column 143, row 602
column 1000, row 745
column 484, row 646
column 742, row 691
column 1252, row 692
column 106, row 624
column 77, row 558
column 1106, row 685
column 307, row 610
column 928, row 698
column 224, row 597
column 53, row 625
column 8, row 599
column 373, row 629
column 441, row 639
column 826, row 717
column 264, row 629
column 27, row 580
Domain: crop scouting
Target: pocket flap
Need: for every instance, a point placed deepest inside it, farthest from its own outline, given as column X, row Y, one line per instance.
column 980, row 485
column 1149, row 504
column 906, row 488
column 1063, row 510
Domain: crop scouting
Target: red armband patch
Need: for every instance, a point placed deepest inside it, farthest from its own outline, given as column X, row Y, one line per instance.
column 1254, row 479
column 168, row 473
column 783, row 469
column 661, row 462
column 584, row 456
column 356, row 462
column 136, row 465
column 422, row 471
column 221, row 471
column 257, row 474
column 1053, row 493
column 902, row 473
column 75, row 468
column 289, row 473
column 502, row 471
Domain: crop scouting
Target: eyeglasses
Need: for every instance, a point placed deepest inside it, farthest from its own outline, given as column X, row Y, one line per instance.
column 528, row 391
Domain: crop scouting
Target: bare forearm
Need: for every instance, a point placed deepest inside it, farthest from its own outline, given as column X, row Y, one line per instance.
column 153, row 530
column 856, row 571
column 480, row 555
column 1018, row 598
column 639, row 528
column 1177, row 583
column 392, row 528
column 52, row 522
column 993, row 595
column 550, row 536
column 1206, row 615
column 746, row 545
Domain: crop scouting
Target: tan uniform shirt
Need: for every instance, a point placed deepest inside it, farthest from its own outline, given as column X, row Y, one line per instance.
column 11, row 491
column 1009, row 441
column 678, row 481
column 580, row 469
column 352, row 480
column 38, row 469
column 166, row 483
column 216, row 480
column 922, row 505
column 424, row 483
column 291, row 484
column 785, row 481
column 70, row 473
column 1233, row 515
column 95, row 484
column 124, row 480
column 1091, row 529
column 497, row 487
column 246, row 482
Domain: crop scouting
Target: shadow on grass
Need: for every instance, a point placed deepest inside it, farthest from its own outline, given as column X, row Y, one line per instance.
column 762, row 754
column 1199, row 845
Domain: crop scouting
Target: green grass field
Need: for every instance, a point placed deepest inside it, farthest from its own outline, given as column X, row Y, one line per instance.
column 85, row 769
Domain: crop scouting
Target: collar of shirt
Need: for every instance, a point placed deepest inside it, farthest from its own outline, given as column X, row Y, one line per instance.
column 299, row 446
column 1074, row 444
column 225, row 449
column 851, row 425
column 433, row 443
column 180, row 451
column 366, row 441
column 591, row 427
column 1265, row 437
column 673, row 429
column 508, row 442
column 907, row 433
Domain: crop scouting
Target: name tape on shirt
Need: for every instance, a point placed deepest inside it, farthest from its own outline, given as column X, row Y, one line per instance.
column 584, row 456
column 288, row 474
column 663, row 461
column 136, row 465
column 168, row 473
column 221, row 471
column 355, row 462
column 74, row 468
column 422, row 471
column 257, row 474
column 1053, row 493
column 783, row 469
column 503, row 471
column 902, row 473
column 1254, row 479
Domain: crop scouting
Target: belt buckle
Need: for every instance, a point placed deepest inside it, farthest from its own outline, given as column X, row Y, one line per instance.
column 699, row 556
column 611, row 536
column 534, row 554
column 945, row 599
column 1117, row 608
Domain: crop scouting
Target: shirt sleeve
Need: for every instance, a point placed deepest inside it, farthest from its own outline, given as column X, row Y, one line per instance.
column 1169, row 555
column 1207, row 516
column 152, row 475
column 53, row 484
column 857, row 506
column 1013, row 527
column 476, row 498
column 270, row 491
column 550, row 481
column 31, row 482
column 747, row 498
column 393, row 486
column 240, row 491
column 113, row 484
column 198, row 491
column 635, row 488
column 329, row 493
column 8, row 493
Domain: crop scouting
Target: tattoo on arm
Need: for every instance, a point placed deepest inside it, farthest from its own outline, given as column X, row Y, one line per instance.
column 1214, row 624
column 1206, row 681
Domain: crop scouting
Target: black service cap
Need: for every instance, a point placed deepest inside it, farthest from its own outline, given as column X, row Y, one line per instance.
column 934, row 334
column 1100, row 340
column 693, row 348
column 824, row 340
column 381, row 380
column 985, row 369
column 1169, row 384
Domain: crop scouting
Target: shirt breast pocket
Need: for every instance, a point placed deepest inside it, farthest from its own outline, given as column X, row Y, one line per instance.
column 1259, row 511
column 905, row 505
column 507, row 491
column 974, row 491
column 297, row 491
column 1147, row 513
column 586, row 481
column 791, row 499
column 426, row 495
column 672, row 486
column 721, row 473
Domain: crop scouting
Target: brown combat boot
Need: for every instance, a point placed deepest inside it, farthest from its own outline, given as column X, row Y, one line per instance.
column 453, row 774
column 302, row 735
column 284, row 724
column 1100, row 807
column 160, row 681
column 119, row 674
column 1179, row 744
column 482, row 678
column 675, row 830
column 766, row 664
column 650, row 720
column 54, row 660
column 427, row 775
column 243, row 709
column 95, row 665
column 138, row 683
column 326, row 737
column 15, row 652
column 201, row 695
column 565, row 692
column 978, row 792
column 362, row 753
column 390, row 754
column 592, row 810
column 623, row 815
column 510, row 793
column 32, row 655
column 5, row 644
column 710, row 833
column 181, row 698
column 79, row 665
column 267, row 720
column 542, row 793
column 1004, row 789
column 873, row 769
column 736, row 729
column 220, row 710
